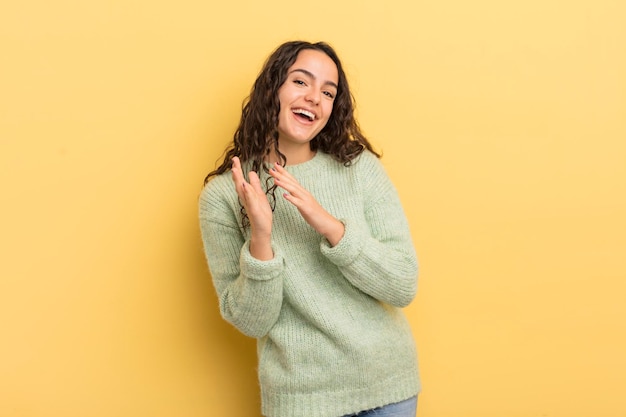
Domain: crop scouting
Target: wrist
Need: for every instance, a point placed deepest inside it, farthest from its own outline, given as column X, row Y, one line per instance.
column 261, row 247
column 335, row 231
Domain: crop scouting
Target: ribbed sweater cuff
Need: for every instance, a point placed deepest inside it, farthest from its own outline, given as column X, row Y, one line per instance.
column 348, row 248
column 256, row 269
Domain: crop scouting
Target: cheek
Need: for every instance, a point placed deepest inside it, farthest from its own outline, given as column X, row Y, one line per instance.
column 283, row 111
column 329, row 110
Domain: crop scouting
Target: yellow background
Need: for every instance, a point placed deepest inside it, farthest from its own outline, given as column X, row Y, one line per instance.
column 503, row 125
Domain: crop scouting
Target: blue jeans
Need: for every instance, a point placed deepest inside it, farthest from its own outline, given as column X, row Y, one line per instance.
column 406, row 408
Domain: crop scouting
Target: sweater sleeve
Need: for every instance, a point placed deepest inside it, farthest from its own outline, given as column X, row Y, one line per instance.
column 380, row 260
column 250, row 291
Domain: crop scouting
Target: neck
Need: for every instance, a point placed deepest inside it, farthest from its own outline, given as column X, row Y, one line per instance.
column 294, row 154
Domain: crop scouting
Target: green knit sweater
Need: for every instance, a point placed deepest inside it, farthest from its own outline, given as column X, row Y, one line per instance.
column 332, row 339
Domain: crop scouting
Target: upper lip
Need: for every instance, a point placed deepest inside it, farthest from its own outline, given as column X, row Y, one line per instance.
column 311, row 112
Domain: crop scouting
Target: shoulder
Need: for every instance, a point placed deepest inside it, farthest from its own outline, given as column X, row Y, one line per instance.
column 217, row 186
column 218, row 196
column 369, row 165
column 367, row 156
column 373, row 177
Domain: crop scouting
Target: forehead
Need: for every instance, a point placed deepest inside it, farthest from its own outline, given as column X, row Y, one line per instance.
column 317, row 63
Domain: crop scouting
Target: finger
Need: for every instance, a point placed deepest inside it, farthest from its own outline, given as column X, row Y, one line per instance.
column 287, row 186
column 284, row 179
column 280, row 170
column 247, row 195
column 255, row 182
column 278, row 167
column 254, row 198
column 237, row 175
column 289, row 197
column 297, row 202
column 236, row 169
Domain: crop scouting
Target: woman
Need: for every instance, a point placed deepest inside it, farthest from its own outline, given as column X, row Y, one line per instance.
column 309, row 248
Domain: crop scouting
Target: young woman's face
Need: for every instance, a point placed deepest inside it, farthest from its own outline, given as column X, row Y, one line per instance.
column 306, row 98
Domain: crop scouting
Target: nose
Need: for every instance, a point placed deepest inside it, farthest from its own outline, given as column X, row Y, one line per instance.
column 313, row 96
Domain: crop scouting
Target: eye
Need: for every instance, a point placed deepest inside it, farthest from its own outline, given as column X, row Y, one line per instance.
column 329, row 94
column 299, row 82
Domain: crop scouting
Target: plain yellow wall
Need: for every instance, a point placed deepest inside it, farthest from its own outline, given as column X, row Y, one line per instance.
column 503, row 125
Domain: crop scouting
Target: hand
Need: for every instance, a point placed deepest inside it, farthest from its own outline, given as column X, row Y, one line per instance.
column 257, row 208
column 312, row 212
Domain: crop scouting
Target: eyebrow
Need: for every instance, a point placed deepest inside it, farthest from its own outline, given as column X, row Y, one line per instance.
column 310, row 74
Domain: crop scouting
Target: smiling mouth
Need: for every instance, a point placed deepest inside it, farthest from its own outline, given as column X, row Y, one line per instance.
column 304, row 114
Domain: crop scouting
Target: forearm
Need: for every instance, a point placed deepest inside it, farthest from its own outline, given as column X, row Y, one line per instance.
column 388, row 276
column 250, row 290
column 252, row 306
column 332, row 229
column 382, row 267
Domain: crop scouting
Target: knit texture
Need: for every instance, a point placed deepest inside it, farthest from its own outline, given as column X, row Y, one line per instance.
column 332, row 339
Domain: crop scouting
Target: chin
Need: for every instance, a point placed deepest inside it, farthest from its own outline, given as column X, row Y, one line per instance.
column 299, row 139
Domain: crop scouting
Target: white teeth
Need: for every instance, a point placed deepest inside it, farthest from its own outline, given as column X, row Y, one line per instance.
column 305, row 113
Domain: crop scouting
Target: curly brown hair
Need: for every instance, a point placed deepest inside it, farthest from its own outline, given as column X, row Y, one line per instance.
column 257, row 134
